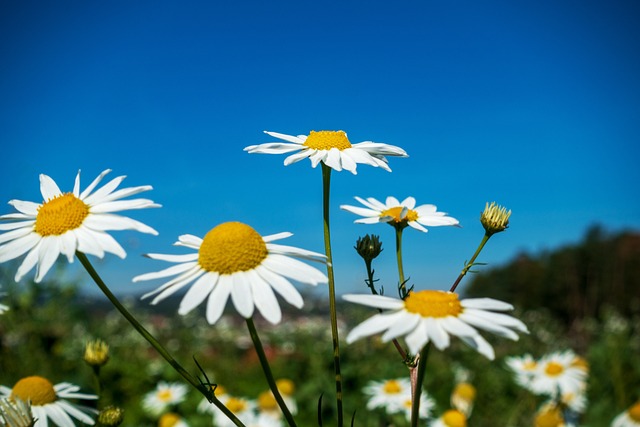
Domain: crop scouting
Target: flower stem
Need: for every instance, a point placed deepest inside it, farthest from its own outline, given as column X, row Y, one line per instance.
column 401, row 285
column 151, row 340
column 267, row 372
column 326, row 181
column 468, row 266
column 417, row 378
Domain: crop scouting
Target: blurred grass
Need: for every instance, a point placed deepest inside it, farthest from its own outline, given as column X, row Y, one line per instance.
column 45, row 331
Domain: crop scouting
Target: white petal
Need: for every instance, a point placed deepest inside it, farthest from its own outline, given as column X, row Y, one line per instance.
column 361, row 211
column 399, row 328
column 425, row 210
column 15, row 225
column 486, row 304
column 174, row 258
column 75, row 412
column 15, row 234
column 27, row 208
column 218, row 298
column 360, row 156
column 47, row 256
column 297, row 252
column 104, row 191
column 333, row 159
column 68, row 245
column 392, row 202
column 296, row 157
column 189, row 241
column 371, row 326
column 437, row 335
column 294, row 269
column 377, row 301
column 19, row 246
column 371, row 220
column 105, row 221
column 76, row 185
column 409, row 202
column 372, row 203
column 126, row 192
column 198, row 292
column 123, row 205
column 264, row 298
column 348, row 163
column 58, row 415
column 416, row 226
column 418, row 338
column 241, row 294
column 380, row 149
column 48, row 188
column 174, row 285
column 109, row 244
column 93, row 184
column 437, row 221
column 29, row 262
column 479, row 344
column 281, row 285
column 277, row 236
column 457, row 327
column 171, row 271
column 290, row 138
column 317, row 157
column 87, row 242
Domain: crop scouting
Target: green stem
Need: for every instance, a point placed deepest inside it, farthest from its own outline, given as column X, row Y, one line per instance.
column 267, row 372
column 151, row 340
column 401, row 284
column 468, row 266
column 416, row 385
column 326, row 181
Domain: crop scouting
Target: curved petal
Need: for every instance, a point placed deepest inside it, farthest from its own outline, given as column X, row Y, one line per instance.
column 198, row 292
column 377, row 301
column 48, row 187
column 218, row 299
column 264, row 298
column 282, row 286
column 241, row 294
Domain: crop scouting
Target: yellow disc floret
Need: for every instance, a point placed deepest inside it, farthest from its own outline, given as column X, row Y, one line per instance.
column 236, row 405
column 168, row 420
column 267, row 402
column 327, row 139
column 553, row 369
column 396, row 212
column 392, row 387
column 285, row 386
column 465, row 391
column 634, row 412
column 551, row 417
column 431, row 303
column 232, row 247
column 60, row 214
column 454, row 418
column 36, row 389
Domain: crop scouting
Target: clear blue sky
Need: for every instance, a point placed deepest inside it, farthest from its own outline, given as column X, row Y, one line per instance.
column 535, row 105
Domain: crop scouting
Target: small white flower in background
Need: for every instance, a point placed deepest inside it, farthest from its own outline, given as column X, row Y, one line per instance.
column 389, row 395
column 68, row 222
column 163, row 397
column 399, row 214
column 333, row 148
column 233, row 260
column 523, row 367
column 431, row 316
column 451, row 418
column 562, row 372
column 426, row 406
column 243, row 409
column 628, row 418
column 49, row 402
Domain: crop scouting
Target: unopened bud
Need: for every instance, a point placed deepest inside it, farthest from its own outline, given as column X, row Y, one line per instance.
column 495, row 218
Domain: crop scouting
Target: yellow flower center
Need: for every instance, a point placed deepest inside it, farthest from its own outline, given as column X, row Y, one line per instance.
column 165, row 395
column 549, row 418
column 327, row 139
column 37, row 389
column 433, row 303
column 60, row 214
column 219, row 391
column 634, row 412
column 465, row 391
column 267, row 402
column 168, row 420
column 553, row 369
column 392, row 387
column 285, row 386
column 453, row 418
column 232, row 247
column 236, row 405
column 397, row 211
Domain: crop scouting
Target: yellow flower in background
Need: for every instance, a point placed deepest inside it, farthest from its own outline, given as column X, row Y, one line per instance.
column 399, row 214
column 451, row 418
column 628, row 418
column 49, row 402
column 235, row 261
column 164, row 396
column 431, row 316
column 333, row 148
column 68, row 222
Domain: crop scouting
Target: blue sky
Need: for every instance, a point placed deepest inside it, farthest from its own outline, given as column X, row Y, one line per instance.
column 535, row 105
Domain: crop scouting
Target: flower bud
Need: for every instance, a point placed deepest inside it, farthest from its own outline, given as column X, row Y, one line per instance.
column 495, row 218
column 368, row 247
column 96, row 353
column 111, row 416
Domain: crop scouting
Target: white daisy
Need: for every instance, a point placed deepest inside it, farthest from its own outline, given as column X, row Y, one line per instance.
column 48, row 401
column 451, row 418
column 243, row 409
column 524, row 368
column 628, row 418
column 268, row 405
column 68, row 222
column 389, row 395
column 463, row 397
column 207, row 407
column 550, row 415
column 330, row 147
column 426, row 406
column 559, row 372
column 431, row 316
column 399, row 214
column 165, row 395
column 235, row 260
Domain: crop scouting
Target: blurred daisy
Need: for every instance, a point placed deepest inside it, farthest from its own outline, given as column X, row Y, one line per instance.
column 333, row 148
column 207, row 407
column 628, row 418
column 575, row 402
column 262, row 420
column 267, row 404
column 390, row 395
column 171, row 419
column 463, row 397
column 426, row 406
column 48, row 401
column 243, row 409
column 399, row 214
column 451, row 418
column 559, row 373
column 68, row 222
column 164, row 396
column 234, row 260
column 524, row 368
column 550, row 415
column 431, row 316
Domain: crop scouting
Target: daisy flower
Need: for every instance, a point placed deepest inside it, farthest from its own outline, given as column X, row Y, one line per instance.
column 48, row 401
column 550, row 415
column 523, row 367
column 426, row 406
column 235, row 260
column 165, row 395
column 559, row 372
column 628, row 418
column 268, row 405
column 451, row 418
column 389, row 395
column 333, row 148
column 171, row 419
column 399, row 214
column 68, row 222
column 431, row 316
column 243, row 409
column 463, row 397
